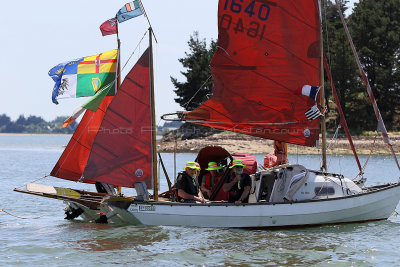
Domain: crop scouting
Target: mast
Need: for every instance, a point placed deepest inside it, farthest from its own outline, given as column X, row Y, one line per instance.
column 322, row 100
column 119, row 188
column 153, row 119
column 381, row 125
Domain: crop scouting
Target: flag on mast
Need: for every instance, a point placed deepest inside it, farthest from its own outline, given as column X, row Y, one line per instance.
column 129, row 10
column 109, row 27
column 84, row 76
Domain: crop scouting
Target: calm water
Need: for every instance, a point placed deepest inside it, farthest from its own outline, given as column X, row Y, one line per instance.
column 52, row 241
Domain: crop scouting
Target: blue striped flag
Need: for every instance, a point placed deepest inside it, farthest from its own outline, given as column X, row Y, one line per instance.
column 129, row 10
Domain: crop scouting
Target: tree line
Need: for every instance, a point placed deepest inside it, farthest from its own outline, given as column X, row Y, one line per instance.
column 34, row 124
column 375, row 29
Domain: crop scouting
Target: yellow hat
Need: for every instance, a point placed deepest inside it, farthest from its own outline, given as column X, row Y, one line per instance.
column 237, row 162
column 213, row 166
column 192, row 165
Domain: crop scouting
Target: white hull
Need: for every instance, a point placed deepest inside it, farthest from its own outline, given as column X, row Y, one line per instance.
column 363, row 207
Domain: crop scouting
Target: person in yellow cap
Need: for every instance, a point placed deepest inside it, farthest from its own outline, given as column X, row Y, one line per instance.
column 238, row 183
column 210, row 181
column 187, row 184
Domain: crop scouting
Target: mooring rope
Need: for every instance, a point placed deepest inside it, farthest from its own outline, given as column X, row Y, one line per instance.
column 19, row 217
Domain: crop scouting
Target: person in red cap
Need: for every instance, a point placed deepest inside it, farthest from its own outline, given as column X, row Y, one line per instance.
column 238, row 184
column 187, row 184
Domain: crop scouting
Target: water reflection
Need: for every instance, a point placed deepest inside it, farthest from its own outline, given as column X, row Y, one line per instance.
column 100, row 237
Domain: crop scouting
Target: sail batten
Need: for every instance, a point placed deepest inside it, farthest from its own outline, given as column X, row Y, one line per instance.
column 266, row 51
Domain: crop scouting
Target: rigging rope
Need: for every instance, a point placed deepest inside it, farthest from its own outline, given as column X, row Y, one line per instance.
column 333, row 140
column 361, row 173
column 47, row 175
column 198, row 90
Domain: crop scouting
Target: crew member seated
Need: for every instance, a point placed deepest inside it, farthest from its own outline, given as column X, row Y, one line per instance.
column 238, row 184
column 278, row 157
column 210, row 181
column 187, row 184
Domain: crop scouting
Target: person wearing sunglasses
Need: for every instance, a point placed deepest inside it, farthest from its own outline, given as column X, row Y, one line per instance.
column 238, row 184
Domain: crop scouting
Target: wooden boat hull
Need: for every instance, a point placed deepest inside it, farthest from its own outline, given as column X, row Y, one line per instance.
column 376, row 205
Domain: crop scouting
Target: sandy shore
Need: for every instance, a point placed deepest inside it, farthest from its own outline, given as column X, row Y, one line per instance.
column 239, row 143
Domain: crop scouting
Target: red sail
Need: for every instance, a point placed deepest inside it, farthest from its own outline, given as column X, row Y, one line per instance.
column 72, row 162
column 267, row 51
column 122, row 150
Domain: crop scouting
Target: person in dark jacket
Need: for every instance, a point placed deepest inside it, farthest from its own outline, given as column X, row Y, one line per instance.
column 238, row 184
column 187, row 184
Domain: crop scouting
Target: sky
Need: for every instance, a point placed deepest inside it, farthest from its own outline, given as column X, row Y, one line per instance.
column 37, row 35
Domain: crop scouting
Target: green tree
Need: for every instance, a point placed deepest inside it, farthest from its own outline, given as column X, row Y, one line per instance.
column 375, row 28
column 21, row 120
column 57, row 122
column 198, row 83
column 4, row 122
column 352, row 96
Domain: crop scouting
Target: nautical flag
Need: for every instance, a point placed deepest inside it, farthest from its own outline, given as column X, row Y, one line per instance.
column 313, row 113
column 109, row 27
column 130, row 10
column 308, row 90
column 85, row 76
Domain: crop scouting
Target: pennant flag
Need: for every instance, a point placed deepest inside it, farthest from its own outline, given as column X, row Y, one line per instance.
column 313, row 113
column 129, row 11
column 77, row 112
column 308, row 90
column 109, row 27
column 93, row 104
column 84, row 76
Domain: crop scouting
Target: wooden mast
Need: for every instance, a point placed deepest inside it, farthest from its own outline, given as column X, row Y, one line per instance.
column 322, row 100
column 153, row 119
column 119, row 188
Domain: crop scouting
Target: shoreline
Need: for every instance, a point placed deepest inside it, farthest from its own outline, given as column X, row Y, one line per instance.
column 255, row 145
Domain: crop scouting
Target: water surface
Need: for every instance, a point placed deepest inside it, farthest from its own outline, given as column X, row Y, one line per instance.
column 46, row 239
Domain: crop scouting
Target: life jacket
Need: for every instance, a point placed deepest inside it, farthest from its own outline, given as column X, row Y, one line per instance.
column 277, row 157
column 274, row 159
column 221, row 194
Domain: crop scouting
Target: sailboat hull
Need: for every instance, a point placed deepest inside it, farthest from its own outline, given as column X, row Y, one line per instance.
column 378, row 205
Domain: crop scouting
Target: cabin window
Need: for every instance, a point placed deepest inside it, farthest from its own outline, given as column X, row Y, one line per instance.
column 324, row 191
